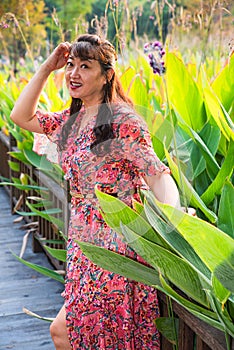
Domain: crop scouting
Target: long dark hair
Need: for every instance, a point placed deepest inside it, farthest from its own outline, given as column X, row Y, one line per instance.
column 90, row 46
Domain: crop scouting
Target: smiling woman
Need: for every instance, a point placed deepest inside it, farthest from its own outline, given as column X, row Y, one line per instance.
column 102, row 143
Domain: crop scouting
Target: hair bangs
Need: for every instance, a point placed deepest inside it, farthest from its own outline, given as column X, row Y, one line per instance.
column 84, row 50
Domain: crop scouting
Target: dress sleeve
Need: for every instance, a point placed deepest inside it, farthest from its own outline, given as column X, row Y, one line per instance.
column 136, row 146
column 52, row 123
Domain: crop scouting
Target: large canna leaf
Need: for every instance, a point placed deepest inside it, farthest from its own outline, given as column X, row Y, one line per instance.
column 175, row 240
column 38, row 161
column 211, row 135
column 177, row 270
column 162, row 135
column 184, row 94
column 129, row 268
column 120, row 264
column 218, row 115
column 223, row 85
column 221, row 293
column 189, row 191
column 116, row 212
column 127, row 77
column 202, row 313
column 213, row 246
column 7, row 98
column 224, row 173
column 168, row 327
column 138, row 92
column 53, row 95
column 222, row 313
column 20, row 156
column 211, row 163
column 226, row 205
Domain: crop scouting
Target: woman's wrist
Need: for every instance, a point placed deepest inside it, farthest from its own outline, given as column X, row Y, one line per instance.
column 45, row 69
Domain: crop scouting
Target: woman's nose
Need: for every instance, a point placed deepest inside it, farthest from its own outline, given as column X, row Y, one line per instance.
column 75, row 72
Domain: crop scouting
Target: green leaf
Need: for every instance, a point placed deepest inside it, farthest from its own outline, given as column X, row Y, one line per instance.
column 190, row 193
column 195, row 309
column 168, row 327
column 224, row 173
column 127, row 77
column 162, row 136
column 115, row 212
column 47, row 214
column 43, row 270
column 183, row 93
column 38, row 161
column 20, row 156
column 177, row 270
column 223, row 315
column 221, row 293
column 14, row 166
column 138, row 92
column 176, row 241
column 211, row 135
column 24, row 187
column 59, row 254
column 226, row 205
column 211, row 163
column 217, row 114
column 223, row 84
column 213, row 246
column 225, row 272
column 120, row 264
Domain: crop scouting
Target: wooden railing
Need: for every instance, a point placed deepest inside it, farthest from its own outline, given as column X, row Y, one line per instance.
column 58, row 196
column 193, row 334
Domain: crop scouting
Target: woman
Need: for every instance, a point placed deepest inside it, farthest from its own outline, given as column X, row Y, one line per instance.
column 103, row 143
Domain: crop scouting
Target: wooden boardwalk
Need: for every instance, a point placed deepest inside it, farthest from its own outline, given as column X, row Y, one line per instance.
column 21, row 287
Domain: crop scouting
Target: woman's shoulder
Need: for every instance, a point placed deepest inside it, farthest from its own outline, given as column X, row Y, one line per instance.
column 124, row 113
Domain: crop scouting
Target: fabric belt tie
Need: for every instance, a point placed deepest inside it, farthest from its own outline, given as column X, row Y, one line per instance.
column 82, row 195
column 92, row 195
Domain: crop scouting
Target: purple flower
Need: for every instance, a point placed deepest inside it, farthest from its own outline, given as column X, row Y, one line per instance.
column 155, row 52
column 4, row 25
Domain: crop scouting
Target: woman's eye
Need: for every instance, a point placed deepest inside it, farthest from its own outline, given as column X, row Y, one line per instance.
column 69, row 64
column 84, row 65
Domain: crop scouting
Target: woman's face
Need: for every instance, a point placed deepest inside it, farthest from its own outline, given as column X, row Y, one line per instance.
column 85, row 80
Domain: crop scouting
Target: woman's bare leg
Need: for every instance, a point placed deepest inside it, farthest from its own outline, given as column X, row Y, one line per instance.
column 58, row 331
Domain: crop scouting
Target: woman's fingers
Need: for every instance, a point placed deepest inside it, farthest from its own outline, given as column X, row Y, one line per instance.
column 190, row 211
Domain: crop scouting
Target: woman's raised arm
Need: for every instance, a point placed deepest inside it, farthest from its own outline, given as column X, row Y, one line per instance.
column 23, row 113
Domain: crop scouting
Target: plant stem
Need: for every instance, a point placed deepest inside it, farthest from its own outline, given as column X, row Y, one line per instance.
column 171, row 315
column 227, row 338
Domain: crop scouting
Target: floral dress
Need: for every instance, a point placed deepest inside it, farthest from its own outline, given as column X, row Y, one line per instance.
column 105, row 310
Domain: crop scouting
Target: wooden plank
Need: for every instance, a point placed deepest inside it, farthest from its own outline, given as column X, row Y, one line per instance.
column 24, row 333
column 200, row 345
column 186, row 337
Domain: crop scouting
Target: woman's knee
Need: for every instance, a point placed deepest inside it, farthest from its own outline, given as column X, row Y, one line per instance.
column 58, row 331
column 54, row 328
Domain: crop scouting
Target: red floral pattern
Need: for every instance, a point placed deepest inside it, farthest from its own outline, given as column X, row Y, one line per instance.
column 105, row 310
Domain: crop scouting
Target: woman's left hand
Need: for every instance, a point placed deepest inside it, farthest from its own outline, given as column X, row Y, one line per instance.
column 189, row 210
